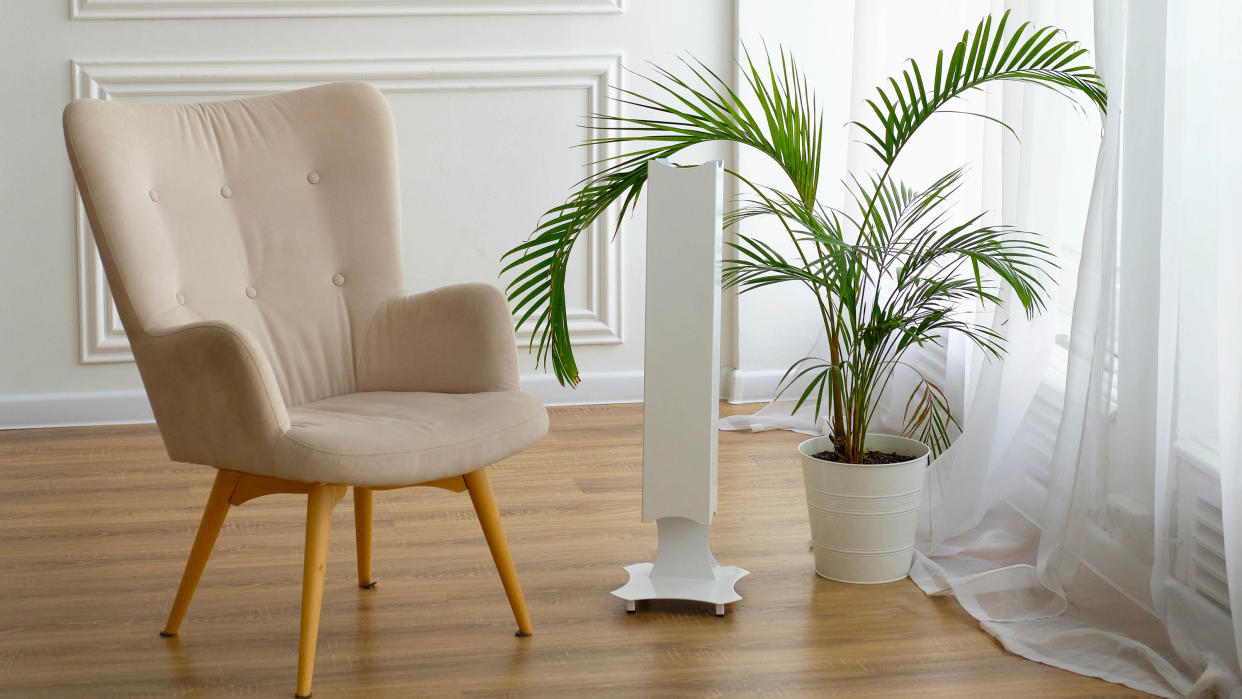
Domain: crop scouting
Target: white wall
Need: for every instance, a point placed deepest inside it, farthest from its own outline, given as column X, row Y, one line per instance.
column 487, row 104
column 778, row 324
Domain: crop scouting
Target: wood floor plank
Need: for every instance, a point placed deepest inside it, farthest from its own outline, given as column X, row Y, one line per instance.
column 96, row 523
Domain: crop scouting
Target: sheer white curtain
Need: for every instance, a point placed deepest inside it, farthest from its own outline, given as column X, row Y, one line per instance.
column 1090, row 512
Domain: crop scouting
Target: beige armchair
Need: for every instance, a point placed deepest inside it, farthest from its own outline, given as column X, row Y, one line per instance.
column 253, row 249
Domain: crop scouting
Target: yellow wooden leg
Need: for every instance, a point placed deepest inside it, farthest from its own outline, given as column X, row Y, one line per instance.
column 319, row 504
column 363, row 514
column 489, row 517
column 213, row 518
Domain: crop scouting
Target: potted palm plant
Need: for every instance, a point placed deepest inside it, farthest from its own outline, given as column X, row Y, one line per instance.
column 889, row 273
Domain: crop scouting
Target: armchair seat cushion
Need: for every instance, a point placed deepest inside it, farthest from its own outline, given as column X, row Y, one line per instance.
column 390, row 438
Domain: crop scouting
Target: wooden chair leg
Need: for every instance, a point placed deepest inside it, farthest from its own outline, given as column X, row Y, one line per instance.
column 489, row 517
column 363, row 515
column 319, row 505
column 204, row 541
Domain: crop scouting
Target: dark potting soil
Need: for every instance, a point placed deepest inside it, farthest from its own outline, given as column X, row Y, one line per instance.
column 869, row 457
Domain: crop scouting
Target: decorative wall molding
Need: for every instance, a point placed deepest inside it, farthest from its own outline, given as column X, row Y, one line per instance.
column 132, row 407
column 101, row 337
column 221, row 9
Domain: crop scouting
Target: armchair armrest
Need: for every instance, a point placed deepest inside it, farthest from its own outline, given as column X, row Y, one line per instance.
column 456, row 339
column 214, row 394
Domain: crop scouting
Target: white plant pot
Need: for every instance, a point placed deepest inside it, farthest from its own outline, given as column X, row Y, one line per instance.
column 863, row 517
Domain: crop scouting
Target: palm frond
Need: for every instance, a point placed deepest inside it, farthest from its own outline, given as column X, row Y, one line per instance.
column 928, row 416
column 1024, row 54
column 700, row 109
column 890, row 274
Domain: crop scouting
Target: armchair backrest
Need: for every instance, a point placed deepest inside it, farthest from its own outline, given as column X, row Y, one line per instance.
column 278, row 215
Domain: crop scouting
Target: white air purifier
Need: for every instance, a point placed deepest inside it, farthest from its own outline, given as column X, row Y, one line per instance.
column 681, row 388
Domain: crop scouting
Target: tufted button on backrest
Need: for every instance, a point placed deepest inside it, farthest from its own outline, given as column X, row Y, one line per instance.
column 282, row 238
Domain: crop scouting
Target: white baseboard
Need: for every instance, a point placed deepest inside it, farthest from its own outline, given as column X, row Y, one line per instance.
column 74, row 409
column 752, row 385
column 132, row 407
column 595, row 388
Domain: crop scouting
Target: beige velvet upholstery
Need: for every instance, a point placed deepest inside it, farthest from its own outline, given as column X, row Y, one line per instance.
column 253, row 249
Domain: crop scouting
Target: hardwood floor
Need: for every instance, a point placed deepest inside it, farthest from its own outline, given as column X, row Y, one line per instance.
column 96, row 523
